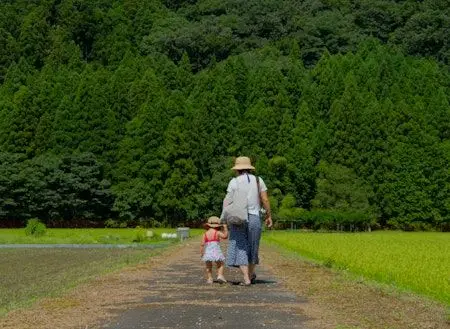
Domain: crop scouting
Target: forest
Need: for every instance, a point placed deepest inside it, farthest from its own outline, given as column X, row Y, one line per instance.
column 130, row 112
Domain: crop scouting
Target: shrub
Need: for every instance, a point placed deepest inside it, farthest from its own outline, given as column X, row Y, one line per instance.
column 148, row 222
column 325, row 219
column 111, row 223
column 140, row 236
column 35, row 227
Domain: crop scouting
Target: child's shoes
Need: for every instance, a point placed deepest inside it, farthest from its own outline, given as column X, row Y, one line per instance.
column 221, row 280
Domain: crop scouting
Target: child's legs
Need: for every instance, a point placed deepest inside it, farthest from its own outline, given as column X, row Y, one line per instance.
column 208, row 270
column 220, row 268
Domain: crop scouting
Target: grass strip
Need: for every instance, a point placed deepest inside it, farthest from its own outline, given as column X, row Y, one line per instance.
column 88, row 236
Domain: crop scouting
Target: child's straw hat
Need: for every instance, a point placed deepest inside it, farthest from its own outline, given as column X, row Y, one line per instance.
column 213, row 221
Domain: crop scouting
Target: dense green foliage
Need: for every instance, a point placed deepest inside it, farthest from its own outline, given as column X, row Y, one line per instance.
column 133, row 110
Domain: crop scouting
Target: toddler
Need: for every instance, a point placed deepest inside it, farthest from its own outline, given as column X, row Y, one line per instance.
column 210, row 248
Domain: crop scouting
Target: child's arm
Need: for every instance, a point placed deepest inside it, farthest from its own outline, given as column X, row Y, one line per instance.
column 224, row 234
column 202, row 246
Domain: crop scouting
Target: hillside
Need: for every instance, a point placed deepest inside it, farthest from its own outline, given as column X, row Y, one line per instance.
column 132, row 110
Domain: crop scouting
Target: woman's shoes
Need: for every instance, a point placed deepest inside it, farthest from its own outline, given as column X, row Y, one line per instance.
column 253, row 278
column 209, row 281
column 245, row 284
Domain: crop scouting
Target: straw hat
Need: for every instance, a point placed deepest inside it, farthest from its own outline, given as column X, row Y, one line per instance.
column 213, row 221
column 242, row 163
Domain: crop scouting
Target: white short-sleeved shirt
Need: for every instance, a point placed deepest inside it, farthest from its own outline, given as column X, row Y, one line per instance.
column 248, row 181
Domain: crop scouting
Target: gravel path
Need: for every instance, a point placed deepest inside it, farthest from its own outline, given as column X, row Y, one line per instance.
column 178, row 297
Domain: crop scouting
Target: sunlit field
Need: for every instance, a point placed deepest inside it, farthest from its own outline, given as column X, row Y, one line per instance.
column 412, row 261
column 89, row 236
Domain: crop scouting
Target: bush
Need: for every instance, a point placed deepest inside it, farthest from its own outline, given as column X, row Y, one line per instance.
column 111, row 223
column 149, row 222
column 325, row 219
column 413, row 226
column 140, row 236
column 35, row 227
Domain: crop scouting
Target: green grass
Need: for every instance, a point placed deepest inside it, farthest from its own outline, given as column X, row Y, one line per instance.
column 85, row 236
column 29, row 274
column 412, row 261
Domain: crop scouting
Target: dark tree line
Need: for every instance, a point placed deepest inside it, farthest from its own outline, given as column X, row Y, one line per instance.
column 133, row 110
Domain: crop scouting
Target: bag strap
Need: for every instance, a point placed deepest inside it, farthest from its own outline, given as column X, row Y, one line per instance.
column 259, row 193
column 259, row 190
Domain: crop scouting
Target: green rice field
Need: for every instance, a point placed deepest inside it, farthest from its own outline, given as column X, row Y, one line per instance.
column 412, row 261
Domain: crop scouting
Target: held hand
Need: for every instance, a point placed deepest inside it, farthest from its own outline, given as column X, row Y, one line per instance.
column 268, row 221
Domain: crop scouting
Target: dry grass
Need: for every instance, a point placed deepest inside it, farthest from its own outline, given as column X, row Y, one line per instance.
column 338, row 301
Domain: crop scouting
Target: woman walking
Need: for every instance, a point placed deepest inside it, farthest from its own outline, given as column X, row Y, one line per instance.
column 243, row 246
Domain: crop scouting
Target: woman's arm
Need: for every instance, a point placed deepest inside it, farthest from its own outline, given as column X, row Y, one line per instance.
column 266, row 205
